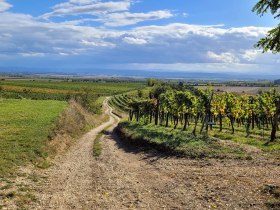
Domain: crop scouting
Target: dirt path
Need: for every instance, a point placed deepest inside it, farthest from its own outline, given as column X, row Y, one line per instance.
column 70, row 181
column 128, row 178
column 124, row 177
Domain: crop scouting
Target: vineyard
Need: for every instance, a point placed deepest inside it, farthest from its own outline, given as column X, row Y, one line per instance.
column 120, row 102
column 249, row 119
column 86, row 93
column 98, row 87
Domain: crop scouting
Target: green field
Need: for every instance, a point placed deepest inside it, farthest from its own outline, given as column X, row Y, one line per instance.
column 25, row 124
column 24, row 130
column 87, row 93
column 102, row 88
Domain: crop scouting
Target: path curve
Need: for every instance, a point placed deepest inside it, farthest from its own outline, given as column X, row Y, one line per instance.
column 125, row 177
column 70, row 183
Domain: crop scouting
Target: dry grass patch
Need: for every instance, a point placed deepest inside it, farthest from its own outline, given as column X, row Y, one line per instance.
column 73, row 122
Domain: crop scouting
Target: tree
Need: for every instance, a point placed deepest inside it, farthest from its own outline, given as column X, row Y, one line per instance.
column 272, row 40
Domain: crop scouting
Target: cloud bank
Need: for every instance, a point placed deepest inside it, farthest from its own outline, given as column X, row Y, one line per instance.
column 171, row 46
column 4, row 6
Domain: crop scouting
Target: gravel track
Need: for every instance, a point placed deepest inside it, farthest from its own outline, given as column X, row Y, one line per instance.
column 70, row 182
column 125, row 177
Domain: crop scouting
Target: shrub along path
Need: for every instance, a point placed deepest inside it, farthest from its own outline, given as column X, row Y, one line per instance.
column 125, row 177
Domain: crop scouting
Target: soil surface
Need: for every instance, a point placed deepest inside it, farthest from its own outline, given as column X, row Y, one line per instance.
column 125, row 177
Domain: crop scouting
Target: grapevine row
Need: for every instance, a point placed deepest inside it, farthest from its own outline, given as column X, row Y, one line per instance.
column 166, row 105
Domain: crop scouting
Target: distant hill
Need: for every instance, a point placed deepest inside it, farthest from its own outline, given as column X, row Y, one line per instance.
column 277, row 82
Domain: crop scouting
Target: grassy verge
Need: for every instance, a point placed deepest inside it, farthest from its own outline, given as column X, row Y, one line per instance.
column 177, row 142
column 73, row 122
column 24, row 130
column 35, row 131
column 256, row 138
column 97, row 147
column 273, row 193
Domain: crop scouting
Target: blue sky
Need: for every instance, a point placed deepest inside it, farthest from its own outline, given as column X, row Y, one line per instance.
column 170, row 36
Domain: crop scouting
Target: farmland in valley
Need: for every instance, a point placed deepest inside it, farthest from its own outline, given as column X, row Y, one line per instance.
column 219, row 133
column 63, row 90
column 250, row 90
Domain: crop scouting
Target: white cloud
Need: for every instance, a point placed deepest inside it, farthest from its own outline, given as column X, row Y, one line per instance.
column 66, row 9
column 83, row 1
column 132, row 40
column 4, row 6
column 98, row 43
column 226, row 57
column 23, row 35
column 251, row 55
column 109, row 13
column 127, row 18
column 180, row 30
column 73, row 3
column 32, row 54
column 249, row 31
column 169, row 47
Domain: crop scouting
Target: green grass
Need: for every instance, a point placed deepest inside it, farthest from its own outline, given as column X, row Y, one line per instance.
column 97, row 147
column 87, row 93
column 273, row 193
column 24, row 130
column 178, row 142
column 257, row 138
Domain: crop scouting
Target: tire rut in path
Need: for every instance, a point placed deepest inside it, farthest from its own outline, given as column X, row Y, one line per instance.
column 70, row 184
column 130, row 178
column 124, row 177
